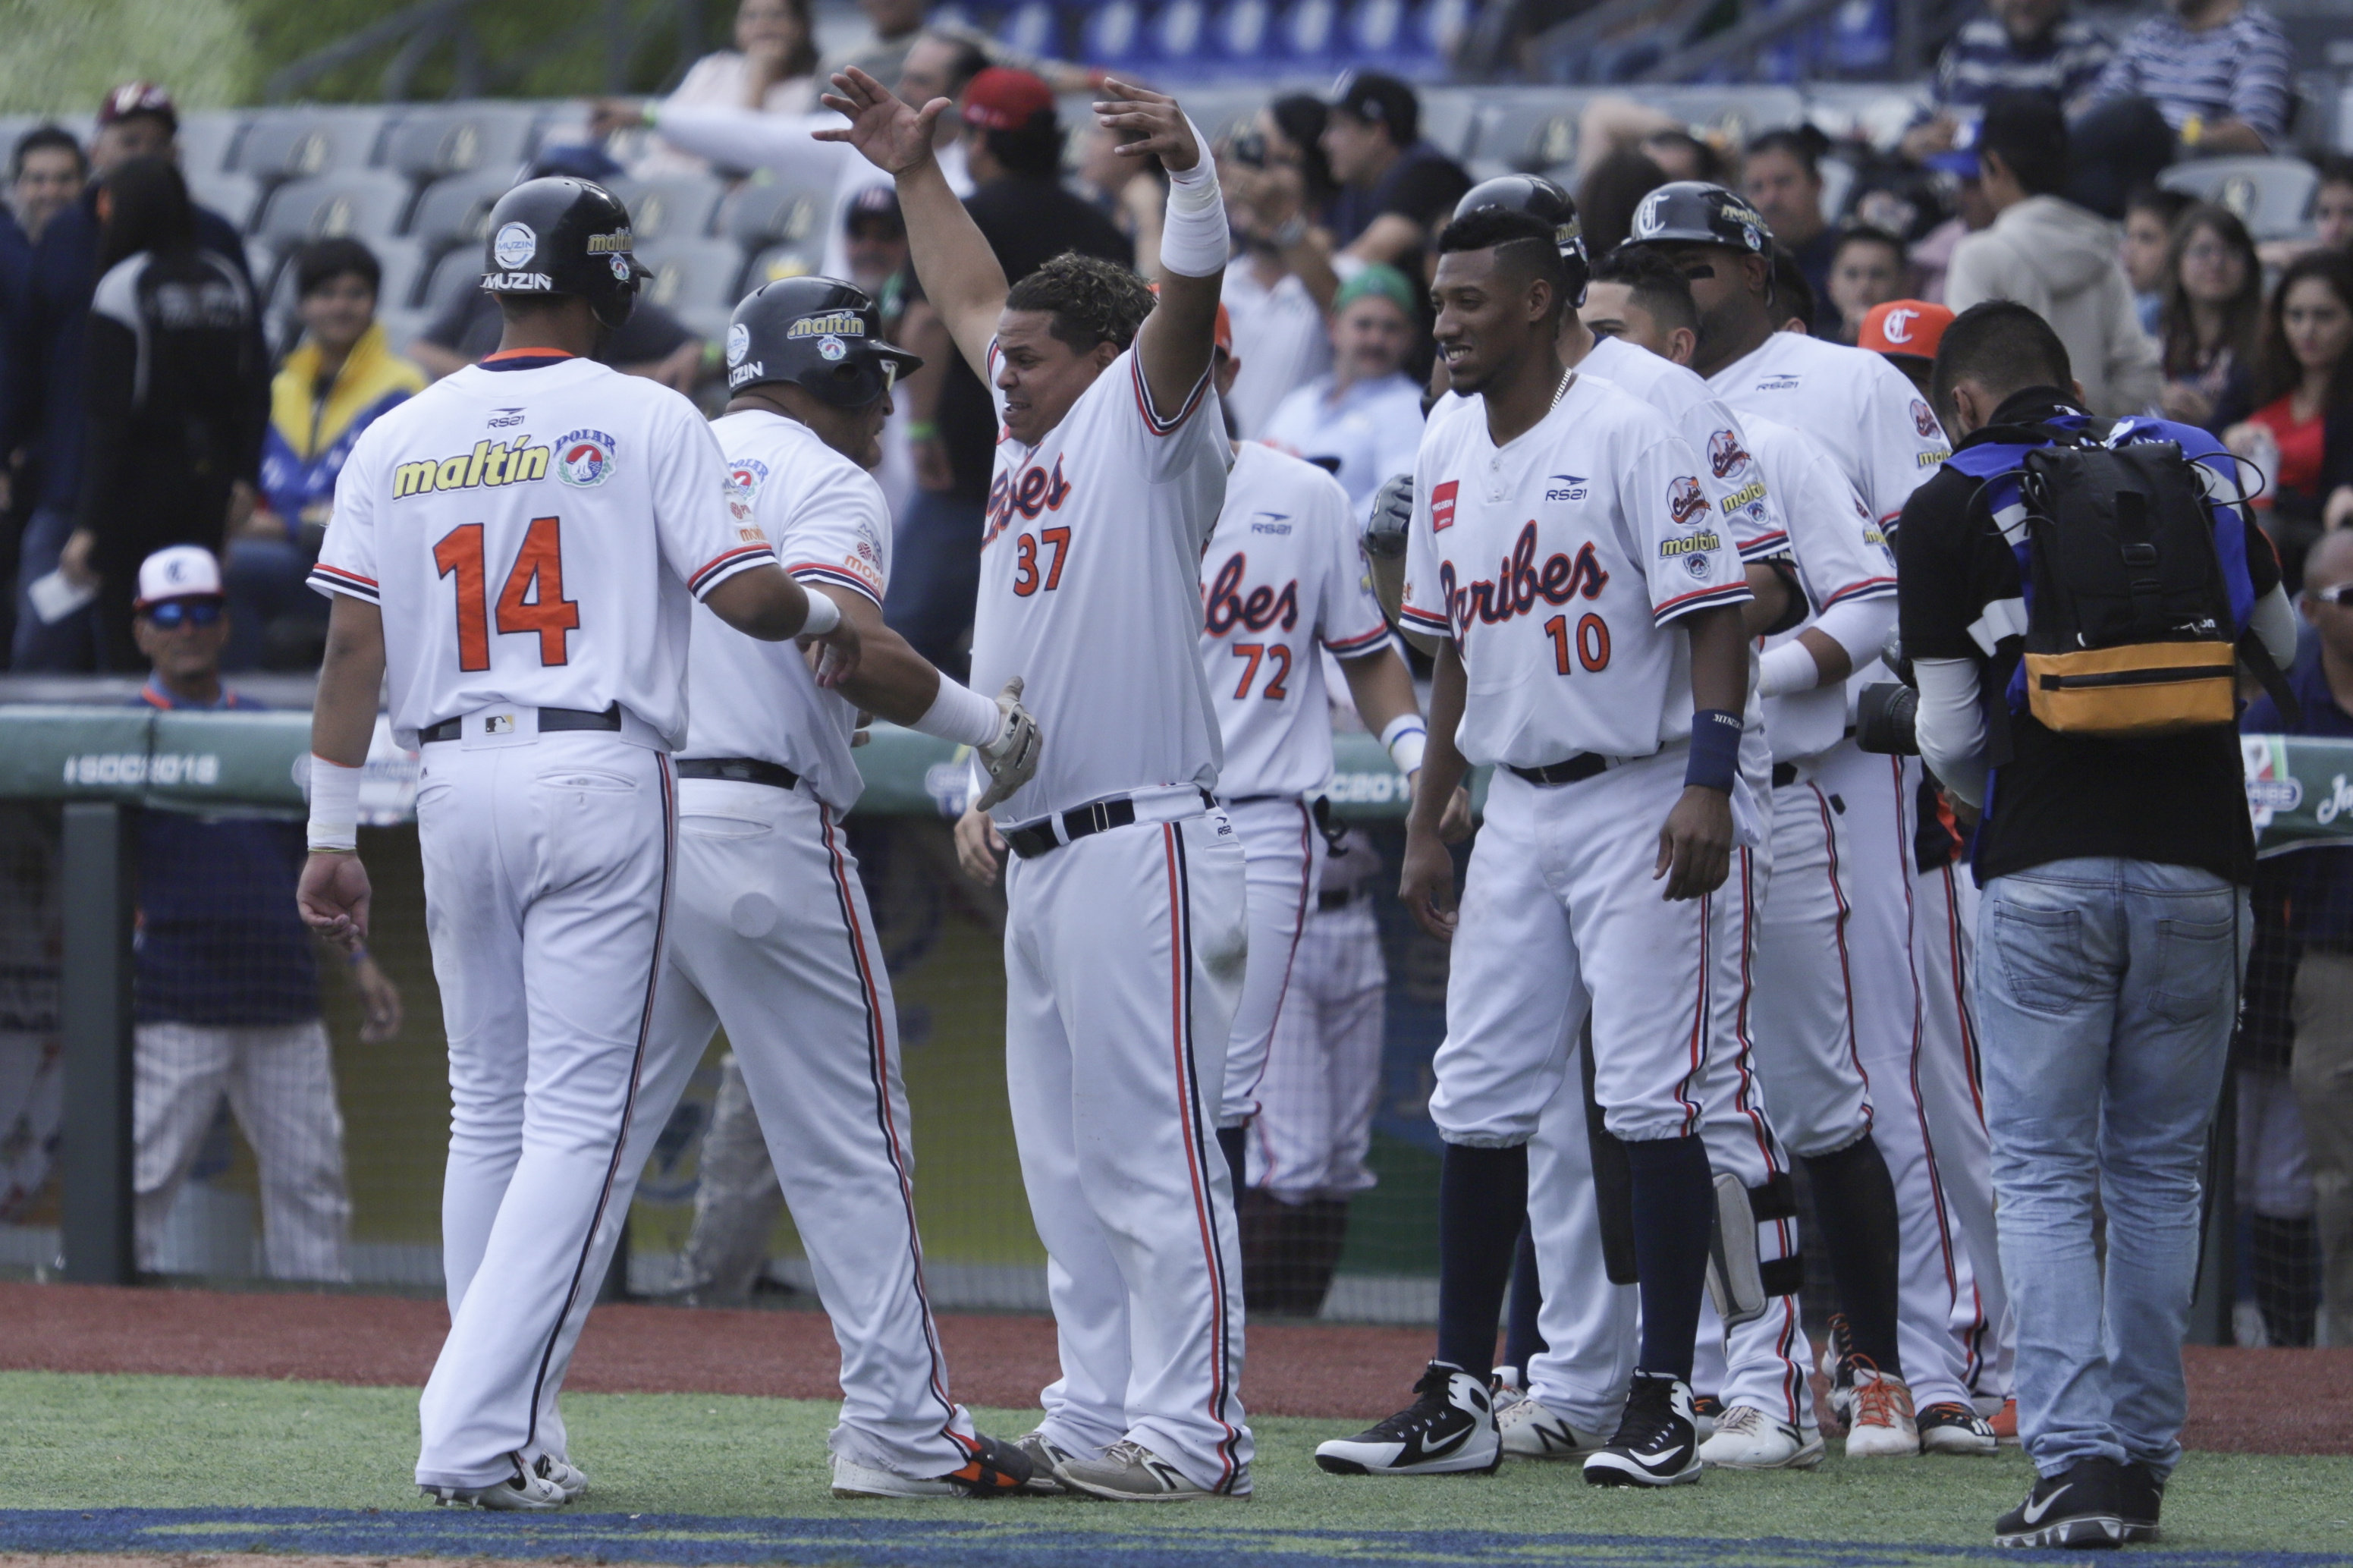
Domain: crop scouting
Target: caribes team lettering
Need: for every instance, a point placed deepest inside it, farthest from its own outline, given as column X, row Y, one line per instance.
column 1224, row 607
column 1521, row 583
column 489, row 463
column 1035, row 491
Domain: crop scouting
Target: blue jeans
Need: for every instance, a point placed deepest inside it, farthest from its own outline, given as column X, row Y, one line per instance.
column 70, row 645
column 2105, row 991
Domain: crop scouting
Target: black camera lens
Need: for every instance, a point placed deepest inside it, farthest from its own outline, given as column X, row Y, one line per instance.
column 1886, row 720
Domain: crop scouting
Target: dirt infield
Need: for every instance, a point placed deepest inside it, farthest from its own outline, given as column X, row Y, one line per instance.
column 2240, row 1401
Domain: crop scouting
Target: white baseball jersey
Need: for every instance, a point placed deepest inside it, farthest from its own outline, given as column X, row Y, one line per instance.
column 1557, row 562
column 1883, row 433
column 1842, row 554
column 826, row 517
column 533, row 536
column 1281, row 577
column 1090, row 590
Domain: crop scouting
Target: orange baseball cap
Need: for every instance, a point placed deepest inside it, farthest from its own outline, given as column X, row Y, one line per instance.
column 1910, row 328
column 1225, row 330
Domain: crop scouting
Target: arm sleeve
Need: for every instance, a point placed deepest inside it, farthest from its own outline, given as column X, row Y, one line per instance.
column 110, row 356
column 751, row 138
column 2259, row 86
column 707, row 532
column 1688, row 560
column 1951, row 725
column 1859, row 626
column 2274, row 622
column 347, row 557
column 1350, row 622
column 837, row 536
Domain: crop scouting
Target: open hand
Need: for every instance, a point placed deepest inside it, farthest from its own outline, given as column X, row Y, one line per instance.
column 1147, row 124
column 1695, row 845
column 888, row 134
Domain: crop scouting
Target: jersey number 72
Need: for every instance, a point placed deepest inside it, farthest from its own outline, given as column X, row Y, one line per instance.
column 547, row 611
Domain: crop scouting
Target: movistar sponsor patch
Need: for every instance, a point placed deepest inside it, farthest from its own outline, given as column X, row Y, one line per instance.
column 840, row 324
column 489, row 463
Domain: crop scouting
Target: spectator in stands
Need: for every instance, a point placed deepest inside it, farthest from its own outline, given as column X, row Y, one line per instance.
column 136, row 119
column 2212, row 313
column 772, row 68
column 1610, row 191
column 45, row 176
column 1905, row 333
column 1960, row 180
column 338, row 379
column 2150, row 213
column 2300, row 436
column 878, row 246
column 178, row 388
column 1868, row 268
column 898, row 24
column 227, row 979
column 2332, row 204
column 2053, row 256
column 1396, row 189
column 1783, row 179
column 2312, row 898
column 1610, row 124
column 1275, row 176
column 1793, row 298
column 1014, row 148
column 2217, row 70
column 2018, row 46
column 1363, row 419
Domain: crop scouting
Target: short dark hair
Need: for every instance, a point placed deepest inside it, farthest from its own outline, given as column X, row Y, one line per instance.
column 2166, row 205
column 1380, row 99
column 1034, row 151
column 322, row 261
column 1659, row 286
column 1522, row 241
column 2002, row 346
column 2028, row 132
column 1865, row 233
column 1790, row 292
column 2334, row 168
column 966, row 59
column 42, row 137
column 1091, row 300
column 1806, row 149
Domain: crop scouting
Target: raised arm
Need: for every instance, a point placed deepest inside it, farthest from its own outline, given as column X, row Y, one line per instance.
column 1174, row 346
column 959, row 272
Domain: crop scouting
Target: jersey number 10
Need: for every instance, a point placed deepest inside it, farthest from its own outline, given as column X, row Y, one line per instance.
column 1592, row 643
column 547, row 611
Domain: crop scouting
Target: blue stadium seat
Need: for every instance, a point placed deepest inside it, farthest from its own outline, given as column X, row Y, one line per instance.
column 1307, row 39
column 671, row 207
column 1376, row 35
column 366, row 203
column 300, row 144
column 1240, row 33
column 2272, row 196
column 1113, row 35
column 1032, row 28
column 1182, row 49
column 452, row 211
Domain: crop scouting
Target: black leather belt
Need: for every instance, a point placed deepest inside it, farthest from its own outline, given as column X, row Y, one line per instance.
column 1577, row 770
column 1784, row 774
column 549, row 719
column 738, row 770
column 1036, row 839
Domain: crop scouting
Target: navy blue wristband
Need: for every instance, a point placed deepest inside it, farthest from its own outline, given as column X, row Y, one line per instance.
column 1715, row 750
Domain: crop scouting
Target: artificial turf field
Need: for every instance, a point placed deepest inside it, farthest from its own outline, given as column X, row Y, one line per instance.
column 192, row 1465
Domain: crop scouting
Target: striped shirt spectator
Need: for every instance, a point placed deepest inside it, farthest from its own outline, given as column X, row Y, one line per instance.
column 1984, row 57
column 2234, row 69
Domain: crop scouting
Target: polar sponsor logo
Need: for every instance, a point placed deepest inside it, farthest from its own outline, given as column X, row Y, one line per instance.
column 515, row 245
column 1442, row 504
column 517, row 284
column 1725, row 456
column 1924, row 421
column 1699, row 543
column 744, row 374
column 584, row 458
column 199, row 768
column 1686, row 502
column 505, row 418
column 1564, row 487
column 836, row 324
column 831, row 350
column 490, row 463
column 615, row 243
column 1746, row 495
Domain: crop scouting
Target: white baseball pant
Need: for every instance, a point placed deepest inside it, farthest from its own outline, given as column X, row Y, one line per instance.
column 773, row 939
column 548, row 863
column 736, row 1198
column 1284, row 861
column 281, row 1083
column 1323, row 1083
column 1124, row 960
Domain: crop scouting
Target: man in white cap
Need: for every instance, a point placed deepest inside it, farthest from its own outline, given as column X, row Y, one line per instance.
column 228, row 978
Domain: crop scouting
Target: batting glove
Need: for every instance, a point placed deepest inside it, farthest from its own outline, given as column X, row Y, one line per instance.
column 1011, row 759
column 1392, row 510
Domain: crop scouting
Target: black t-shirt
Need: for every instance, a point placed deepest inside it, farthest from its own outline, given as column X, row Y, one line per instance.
column 471, row 323
column 2180, row 800
column 1027, row 221
column 1423, row 184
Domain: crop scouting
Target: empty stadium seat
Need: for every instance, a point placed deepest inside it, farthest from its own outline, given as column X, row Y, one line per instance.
column 1528, row 130
column 671, row 207
column 295, row 144
column 457, row 272
column 761, row 212
column 401, row 327
column 462, row 139
column 207, row 137
column 781, row 261
column 366, row 203
column 454, row 211
column 1307, row 38
column 693, row 274
column 2272, row 196
column 1032, row 28
column 1447, row 119
column 237, row 197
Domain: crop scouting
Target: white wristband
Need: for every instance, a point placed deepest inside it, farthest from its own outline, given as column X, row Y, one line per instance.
column 1407, row 738
column 334, row 805
column 961, row 714
column 1788, row 668
column 1193, row 242
column 824, row 615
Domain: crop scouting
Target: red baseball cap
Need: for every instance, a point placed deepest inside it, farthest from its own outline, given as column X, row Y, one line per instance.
column 1908, row 328
column 1002, row 99
column 139, row 98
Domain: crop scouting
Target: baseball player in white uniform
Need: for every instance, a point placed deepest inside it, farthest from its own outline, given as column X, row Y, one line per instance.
column 517, row 550
column 1589, row 601
column 773, row 937
column 1886, row 443
column 1127, row 927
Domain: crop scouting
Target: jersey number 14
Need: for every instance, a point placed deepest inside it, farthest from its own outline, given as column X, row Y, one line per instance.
column 532, row 601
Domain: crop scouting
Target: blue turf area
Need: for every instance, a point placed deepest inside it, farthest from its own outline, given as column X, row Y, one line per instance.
column 1182, row 1543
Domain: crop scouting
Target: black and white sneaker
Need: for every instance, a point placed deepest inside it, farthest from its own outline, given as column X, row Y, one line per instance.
column 1449, row 1430
column 2140, row 1496
column 2077, row 1506
column 1657, row 1442
column 1838, row 1367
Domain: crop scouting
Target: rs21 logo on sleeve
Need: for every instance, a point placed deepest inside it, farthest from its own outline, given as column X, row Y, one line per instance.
column 1442, row 504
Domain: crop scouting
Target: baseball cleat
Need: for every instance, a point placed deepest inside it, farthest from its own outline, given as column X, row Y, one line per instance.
column 1130, row 1472
column 525, row 1492
column 1046, row 1458
column 998, row 1470
column 569, row 1479
column 1449, row 1430
column 1949, row 1426
column 2078, row 1507
column 1748, row 1439
column 1838, row 1367
column 1504, row 1391
column 1880, row 1424
column 2003, row 1420
column 2140, row 1496
column 1656, row 1444
column 1707, row 1411
column 1529, row 1431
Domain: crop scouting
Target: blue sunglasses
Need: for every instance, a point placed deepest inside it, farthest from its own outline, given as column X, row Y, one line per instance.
column 174, row 613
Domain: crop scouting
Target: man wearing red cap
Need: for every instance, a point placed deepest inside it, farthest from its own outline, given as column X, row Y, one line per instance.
column 1905, row 333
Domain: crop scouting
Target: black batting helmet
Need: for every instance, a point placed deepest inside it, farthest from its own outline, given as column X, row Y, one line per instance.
column 1692, row 212
column 819, row 333
column 1540, row 198
column 562, row 236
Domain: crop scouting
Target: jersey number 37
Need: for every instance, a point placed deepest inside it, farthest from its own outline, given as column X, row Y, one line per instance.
column 532, row 600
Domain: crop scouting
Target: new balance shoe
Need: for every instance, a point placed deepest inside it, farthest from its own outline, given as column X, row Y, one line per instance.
column 1747, row 1439
column 1504, row 1391
column 997, row 1469
column 1707, row 1411
column 1130, row 1472
column 525, row 1492
column 1656, row 1444
column 2140, row 1496
column 1529, row 1431
column 1879, row 1421
column 1449, row 1429
column 1838, row 1366
column 1949, row 1426
column 2077, row 1506
column 1046, row 1458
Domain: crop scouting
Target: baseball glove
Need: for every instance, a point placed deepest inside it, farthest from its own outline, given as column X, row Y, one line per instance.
column 1392, row 510
column 1011, row 759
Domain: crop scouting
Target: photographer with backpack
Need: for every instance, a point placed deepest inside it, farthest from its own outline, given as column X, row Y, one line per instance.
column 2077, row 598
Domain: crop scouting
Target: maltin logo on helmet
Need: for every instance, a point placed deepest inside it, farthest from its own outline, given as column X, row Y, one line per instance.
column 515, row 245
column 739, row 342
column 609, row 244
column 839, row 324
column 584, row 457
